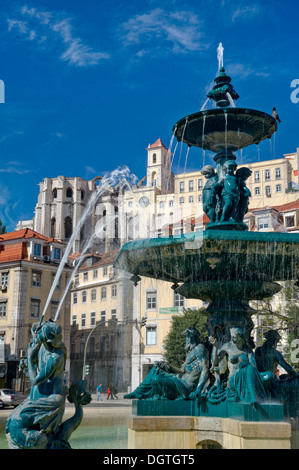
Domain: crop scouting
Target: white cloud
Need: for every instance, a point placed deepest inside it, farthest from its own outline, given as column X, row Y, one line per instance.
column 42, row 25
column 245, row 12
column 180, row 30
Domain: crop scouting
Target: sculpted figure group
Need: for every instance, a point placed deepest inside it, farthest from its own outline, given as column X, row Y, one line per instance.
column 229, row 371
column 226, row 199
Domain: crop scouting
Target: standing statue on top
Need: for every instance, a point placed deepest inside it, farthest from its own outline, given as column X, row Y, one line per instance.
column 37, row 422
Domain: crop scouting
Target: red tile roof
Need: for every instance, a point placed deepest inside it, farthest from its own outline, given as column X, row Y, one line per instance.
column 13, row 252
column 158, row 143
column 104, row 259
column 26, row 233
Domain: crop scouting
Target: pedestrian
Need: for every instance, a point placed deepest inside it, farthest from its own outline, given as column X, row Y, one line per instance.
column 109, row 393
column 114, row 391
column 99, row 391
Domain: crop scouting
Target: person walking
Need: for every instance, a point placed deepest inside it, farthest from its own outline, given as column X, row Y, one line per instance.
column 109, row 393
column 99, row 391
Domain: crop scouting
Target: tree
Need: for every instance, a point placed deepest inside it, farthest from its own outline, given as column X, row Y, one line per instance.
column 284, row 317
column 174, row 343
column 2, row 228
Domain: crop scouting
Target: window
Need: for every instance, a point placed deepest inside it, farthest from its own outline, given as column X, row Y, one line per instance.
column 182, row 186
column 171, row 203
column 200, row 184
column 68, row 227
column 54, row 308
column 154, row 158
column 54, row 194
column 76, row 281
column 93, row 295
column 36, row 249
column 92, row 318
column 179, row 300
column 263, row 222
column 290, row 221
column 103, row 315
column 103, row 293
column 57, row 253
column 83, row 320
column 182, row 200
column 85, row 277
column 151, row 335
column 257, row 191
column 105, row 272
column 267, row 175
column 58, row 283
column 74, row 320
column 277, row 173
column 69, row 192
column 75, row 298
column 130, row 204
column 154, row 182
column 53, row 227
column 36, row 279
column 191, row 199
column 113, row 314
column 200, row 198
column 268, row 191
column 4, row 278
column 191, row 185
column 278, row 188
column 151, row 300
column 34, row 308
column 95, row 274
column 162, row 205
column 84, row 296
column 256, row 176
column 114, row 291
column 3, row 309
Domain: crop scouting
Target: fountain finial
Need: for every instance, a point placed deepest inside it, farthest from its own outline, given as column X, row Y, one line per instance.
column 222, row 92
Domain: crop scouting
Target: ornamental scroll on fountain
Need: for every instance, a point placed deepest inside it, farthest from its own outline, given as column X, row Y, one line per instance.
column 227, row 266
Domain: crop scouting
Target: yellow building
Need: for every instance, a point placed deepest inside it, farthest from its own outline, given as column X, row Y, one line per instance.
column 28, row 265
column 101, row 322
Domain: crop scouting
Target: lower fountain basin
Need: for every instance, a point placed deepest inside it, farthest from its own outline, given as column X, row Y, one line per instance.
column 216, row 255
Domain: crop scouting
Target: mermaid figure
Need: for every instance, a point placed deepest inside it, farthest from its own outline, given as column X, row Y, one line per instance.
column 37, row 422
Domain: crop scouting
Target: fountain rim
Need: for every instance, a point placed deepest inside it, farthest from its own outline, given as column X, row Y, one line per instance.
column 210, row 113
column 217, row 235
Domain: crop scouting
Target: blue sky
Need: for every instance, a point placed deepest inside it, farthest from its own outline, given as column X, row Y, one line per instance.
column 88, row 85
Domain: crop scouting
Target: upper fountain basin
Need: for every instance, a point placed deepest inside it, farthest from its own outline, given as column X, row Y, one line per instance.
column 225, row 129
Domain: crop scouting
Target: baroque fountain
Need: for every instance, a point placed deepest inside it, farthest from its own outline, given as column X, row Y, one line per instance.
column 227, row 266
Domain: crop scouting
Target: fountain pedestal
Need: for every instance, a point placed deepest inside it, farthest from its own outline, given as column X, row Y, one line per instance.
column 185, row 432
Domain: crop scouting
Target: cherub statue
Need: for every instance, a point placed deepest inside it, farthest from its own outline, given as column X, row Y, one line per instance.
column 243, row 174
column 230, row 194
column 210, row 192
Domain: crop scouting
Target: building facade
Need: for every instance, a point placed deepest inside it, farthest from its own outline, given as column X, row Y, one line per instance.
column 28, row 266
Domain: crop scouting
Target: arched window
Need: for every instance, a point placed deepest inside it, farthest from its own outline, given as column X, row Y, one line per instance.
column 68, row 227
column 84, row 296
column 154, row 158
column 93, row 295
column 69, row 192
column 154, row 181
column 54, row 194
column 53, row 227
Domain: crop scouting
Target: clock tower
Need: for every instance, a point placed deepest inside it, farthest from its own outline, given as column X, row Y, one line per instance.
column 159, row 172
